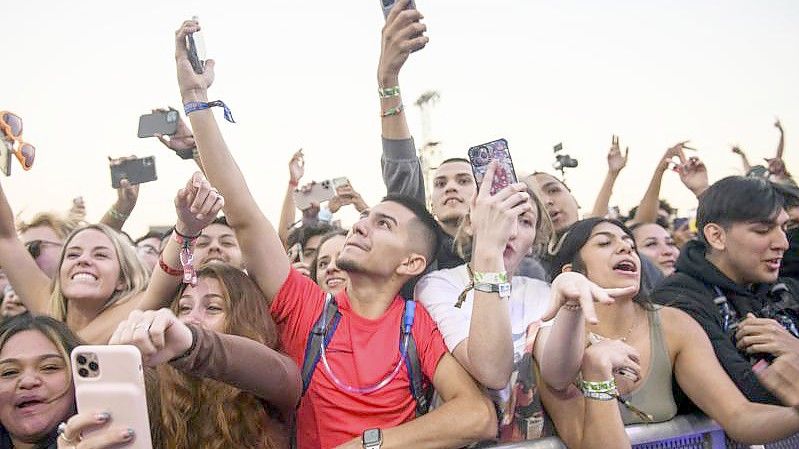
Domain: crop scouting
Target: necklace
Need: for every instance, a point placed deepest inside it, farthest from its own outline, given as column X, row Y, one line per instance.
column 594, row 338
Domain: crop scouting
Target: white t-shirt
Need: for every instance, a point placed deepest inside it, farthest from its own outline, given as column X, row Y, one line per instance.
column 529, row 300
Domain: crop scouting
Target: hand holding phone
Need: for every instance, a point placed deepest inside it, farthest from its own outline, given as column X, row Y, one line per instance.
column 135, row 171
column 110, row 379
column 195, row 45
column 163, row 122
column 389, row 4
column 480, row 157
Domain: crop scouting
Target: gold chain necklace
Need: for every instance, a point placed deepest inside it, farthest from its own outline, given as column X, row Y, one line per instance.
column 594, row 338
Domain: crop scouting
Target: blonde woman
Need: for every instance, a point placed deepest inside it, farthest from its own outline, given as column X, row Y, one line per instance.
column 99, row 280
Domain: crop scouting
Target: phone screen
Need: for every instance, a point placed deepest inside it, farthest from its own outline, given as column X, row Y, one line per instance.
column 482, row 155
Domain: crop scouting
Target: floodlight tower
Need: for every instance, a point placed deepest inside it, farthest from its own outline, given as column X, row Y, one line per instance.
column 429, row 152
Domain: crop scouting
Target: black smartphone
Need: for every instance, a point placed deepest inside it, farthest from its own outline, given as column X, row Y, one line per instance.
column 159, row 122
column 196, row 49
column 136, row 171
column 482, row 155
column 388, row 4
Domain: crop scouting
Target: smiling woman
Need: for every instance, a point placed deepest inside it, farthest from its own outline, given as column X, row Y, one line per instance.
column 99, row 279
column 35, row 383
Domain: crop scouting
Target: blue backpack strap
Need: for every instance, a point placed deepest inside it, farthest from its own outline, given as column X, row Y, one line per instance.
column 420, row 394
column 322, row 330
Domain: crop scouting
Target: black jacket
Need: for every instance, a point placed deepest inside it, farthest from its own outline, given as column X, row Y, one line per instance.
column 691, row 289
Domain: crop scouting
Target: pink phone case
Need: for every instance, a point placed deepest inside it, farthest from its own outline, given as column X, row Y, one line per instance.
column 482, row 155
column 116, row 386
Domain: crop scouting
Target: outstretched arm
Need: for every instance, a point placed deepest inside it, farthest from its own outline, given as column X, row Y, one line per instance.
column 127, row 195
column 263, row 252
column 616, row 162
column 287, row 213
column 744, row 160
column 781, row 145
column 704, row 381
column 648, row 209
column 30, row 283
column 402, row 35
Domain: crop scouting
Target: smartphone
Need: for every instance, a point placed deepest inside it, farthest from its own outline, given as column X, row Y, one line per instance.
column 318, row 193
column 340, row 182
column 111, row 378
column 159, row 122
column 482, row 155
column 5, row 156
column 136, row 171
column 195, row 44
column 388, row 4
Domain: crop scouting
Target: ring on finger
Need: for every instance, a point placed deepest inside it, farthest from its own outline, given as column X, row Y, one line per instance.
column 61, row 431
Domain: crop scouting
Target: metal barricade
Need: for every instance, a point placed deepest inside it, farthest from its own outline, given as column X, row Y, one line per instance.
column 682, row 432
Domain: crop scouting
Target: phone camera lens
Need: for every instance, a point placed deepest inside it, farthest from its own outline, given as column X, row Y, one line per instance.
column 83, row 372
column 94, row 366
column 81, row 360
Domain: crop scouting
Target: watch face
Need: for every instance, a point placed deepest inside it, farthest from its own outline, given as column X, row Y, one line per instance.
column 371, row 436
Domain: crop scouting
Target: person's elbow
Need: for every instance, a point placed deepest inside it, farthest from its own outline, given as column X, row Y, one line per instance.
column 495, row 378
column 481, row 419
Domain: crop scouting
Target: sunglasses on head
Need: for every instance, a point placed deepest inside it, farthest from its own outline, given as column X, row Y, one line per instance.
column 35, row 247
column 11, row 125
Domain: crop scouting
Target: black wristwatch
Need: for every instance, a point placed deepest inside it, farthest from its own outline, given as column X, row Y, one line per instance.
column 372, row 439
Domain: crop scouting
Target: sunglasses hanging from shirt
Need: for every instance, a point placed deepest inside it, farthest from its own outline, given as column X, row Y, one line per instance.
column 11, row 127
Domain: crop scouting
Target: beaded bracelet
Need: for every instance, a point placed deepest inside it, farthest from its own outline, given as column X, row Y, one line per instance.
column 388, row 92
column 392, row 111
column 167, row 269
column 604, row 386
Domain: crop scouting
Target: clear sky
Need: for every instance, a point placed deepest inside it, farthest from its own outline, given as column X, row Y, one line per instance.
column 303, row 74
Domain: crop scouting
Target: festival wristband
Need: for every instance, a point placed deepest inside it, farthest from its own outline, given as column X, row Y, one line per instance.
column 167, row 269
column 392, row 111
column 490, row 278
column 388, row 92
column 187, row 256
column 200, row 105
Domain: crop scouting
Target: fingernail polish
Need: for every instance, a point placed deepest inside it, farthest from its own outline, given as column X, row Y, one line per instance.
column 128, row 434
column 103, row 417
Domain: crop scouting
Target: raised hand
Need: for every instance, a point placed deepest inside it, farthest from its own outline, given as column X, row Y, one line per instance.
column 671, row 153
column 778, row 124
column 616, row 162
column 197, row 205
column 737, row 150
column 182, row 140
column 346, row 195
column 158, row 334
column 127, row 194
column 574, row 290
column 693, row 174
column 494, row 217
column 296, row 167
column 193, row 86
column 402, row 34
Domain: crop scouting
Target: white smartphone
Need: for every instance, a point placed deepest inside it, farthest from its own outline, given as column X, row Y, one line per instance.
column 111, row 378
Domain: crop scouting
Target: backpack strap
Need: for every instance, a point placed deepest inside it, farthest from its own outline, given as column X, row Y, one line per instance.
column 420, row 394
column 322, row 330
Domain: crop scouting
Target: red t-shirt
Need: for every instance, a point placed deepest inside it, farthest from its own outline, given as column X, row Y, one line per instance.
column 361, row 353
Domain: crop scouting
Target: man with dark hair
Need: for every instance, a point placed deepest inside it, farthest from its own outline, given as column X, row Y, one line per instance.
column 362, row 393
column 728, row 279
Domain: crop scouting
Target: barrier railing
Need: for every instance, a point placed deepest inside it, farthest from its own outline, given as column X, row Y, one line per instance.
column 682, row 432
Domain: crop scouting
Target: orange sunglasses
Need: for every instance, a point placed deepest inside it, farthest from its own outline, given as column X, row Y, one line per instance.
column 11, row 125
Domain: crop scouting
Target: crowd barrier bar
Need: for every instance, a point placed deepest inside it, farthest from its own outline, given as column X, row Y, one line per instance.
column 682, row 432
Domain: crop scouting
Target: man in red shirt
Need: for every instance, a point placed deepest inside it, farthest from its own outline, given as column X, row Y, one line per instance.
column 359, row 395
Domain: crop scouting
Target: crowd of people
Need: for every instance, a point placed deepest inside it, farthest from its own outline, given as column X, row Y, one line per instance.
column 474, row 320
